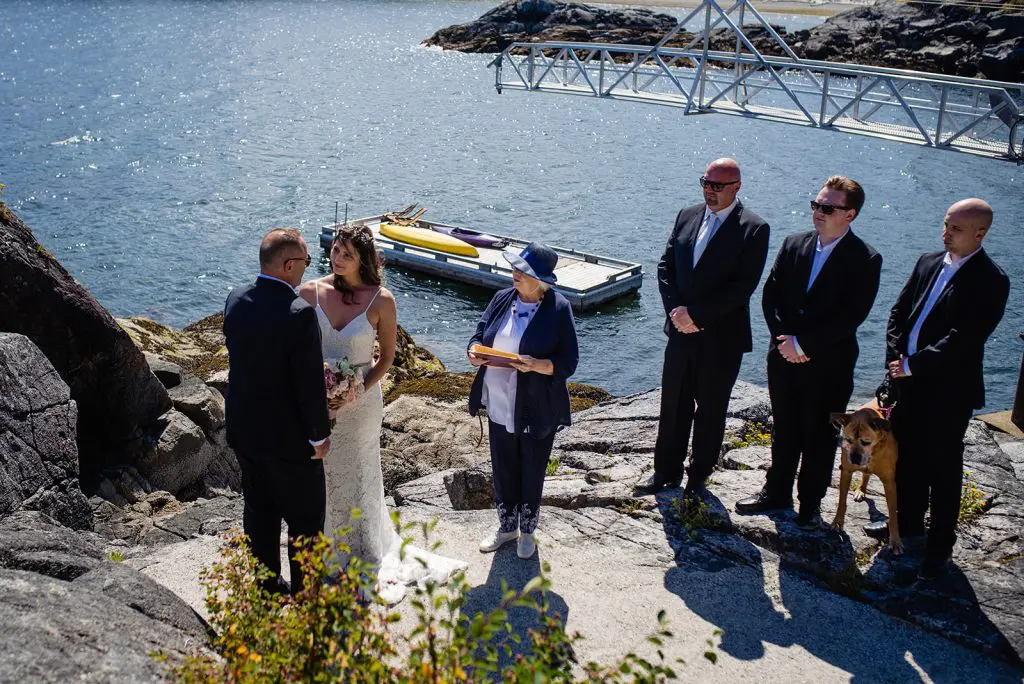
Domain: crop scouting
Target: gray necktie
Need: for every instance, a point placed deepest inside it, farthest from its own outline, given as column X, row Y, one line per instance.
column 704, row 237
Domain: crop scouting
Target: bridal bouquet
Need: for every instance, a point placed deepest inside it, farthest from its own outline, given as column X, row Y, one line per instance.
column 344, row 383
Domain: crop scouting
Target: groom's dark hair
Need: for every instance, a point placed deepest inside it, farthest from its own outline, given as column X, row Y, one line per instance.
column 277, row 242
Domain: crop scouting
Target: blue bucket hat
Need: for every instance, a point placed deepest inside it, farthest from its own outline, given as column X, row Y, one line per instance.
column 537, row 261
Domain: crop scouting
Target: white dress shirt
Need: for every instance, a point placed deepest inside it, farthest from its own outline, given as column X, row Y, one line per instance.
column 821, row 255
column 500, row 384
column 708, row 227
column 950, row 266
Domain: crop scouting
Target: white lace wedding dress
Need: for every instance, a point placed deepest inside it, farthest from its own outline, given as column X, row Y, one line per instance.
column 354, row 477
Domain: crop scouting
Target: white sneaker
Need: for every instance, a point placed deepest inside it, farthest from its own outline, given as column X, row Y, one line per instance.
column 495, row 541
column 527, row 545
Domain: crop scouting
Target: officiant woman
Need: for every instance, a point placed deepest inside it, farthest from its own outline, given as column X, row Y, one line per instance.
column 527, row 401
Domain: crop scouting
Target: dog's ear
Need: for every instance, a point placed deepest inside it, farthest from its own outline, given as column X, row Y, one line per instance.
column 879, row 424
column 840, row 419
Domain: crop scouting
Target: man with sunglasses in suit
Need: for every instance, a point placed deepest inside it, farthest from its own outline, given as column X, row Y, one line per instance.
column 935, row 342
column 276, row 409
column 819, row 291
column 712, row 264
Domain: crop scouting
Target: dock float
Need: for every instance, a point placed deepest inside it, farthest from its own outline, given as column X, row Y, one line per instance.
column 586, row 280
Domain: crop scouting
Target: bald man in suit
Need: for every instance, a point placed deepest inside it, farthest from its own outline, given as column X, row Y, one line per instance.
column 935, row 343
column 712, row 264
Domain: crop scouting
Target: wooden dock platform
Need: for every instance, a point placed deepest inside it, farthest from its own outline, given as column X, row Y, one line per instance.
column 586, row 280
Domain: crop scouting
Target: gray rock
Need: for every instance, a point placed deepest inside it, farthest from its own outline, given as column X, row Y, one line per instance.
column 470, row 489
column 168, row 373
column 975, row 605
column 202, row 404
column 201, row 517
column 180, row 455
column 55, row 631
column 426, row 493
column 32, row 541
column 39, row 464
column 135, row 590
column 219, row 381
column 748, row 458
column 116, row 393
column 421, row 437
column 223, row 474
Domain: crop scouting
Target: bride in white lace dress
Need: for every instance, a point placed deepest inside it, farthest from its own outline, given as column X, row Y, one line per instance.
column 354, row 310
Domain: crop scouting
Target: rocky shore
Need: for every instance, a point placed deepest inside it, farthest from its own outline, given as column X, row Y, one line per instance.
column 945, row 38
column 99, row 572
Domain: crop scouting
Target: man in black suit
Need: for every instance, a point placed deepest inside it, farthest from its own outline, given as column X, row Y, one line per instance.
column 934, row 347
column 819, row 291
column 711, row 266
column 277, row 405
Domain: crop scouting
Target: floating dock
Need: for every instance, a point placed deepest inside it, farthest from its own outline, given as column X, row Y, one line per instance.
column 586, row 280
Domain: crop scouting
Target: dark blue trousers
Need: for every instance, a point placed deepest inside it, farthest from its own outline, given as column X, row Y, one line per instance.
column 519, row 465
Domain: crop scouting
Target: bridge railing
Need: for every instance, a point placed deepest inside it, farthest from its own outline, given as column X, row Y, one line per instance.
column 971, row 115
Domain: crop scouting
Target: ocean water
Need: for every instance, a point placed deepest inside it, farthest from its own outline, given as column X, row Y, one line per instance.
column 150, row 144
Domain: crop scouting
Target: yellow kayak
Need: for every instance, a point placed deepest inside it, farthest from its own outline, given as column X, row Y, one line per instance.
column 421, row 237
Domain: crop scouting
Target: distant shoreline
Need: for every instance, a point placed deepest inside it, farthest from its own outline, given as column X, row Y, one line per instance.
column 822, row 9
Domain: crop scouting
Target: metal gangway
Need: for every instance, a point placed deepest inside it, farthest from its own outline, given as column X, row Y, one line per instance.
column 971, row 115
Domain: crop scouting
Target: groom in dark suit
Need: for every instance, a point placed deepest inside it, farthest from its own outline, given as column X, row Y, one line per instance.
column 712, row 264
column 277, row 405
column 935, row 342
column 819, row 291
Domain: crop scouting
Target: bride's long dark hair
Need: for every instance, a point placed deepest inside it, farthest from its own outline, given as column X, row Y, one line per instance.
column 371, row 262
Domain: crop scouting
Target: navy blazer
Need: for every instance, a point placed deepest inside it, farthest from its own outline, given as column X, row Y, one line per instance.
column 276, row 399
column 951, row 345
column 542, row 401
column 716, row 291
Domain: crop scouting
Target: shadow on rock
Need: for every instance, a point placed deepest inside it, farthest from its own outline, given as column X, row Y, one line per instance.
column 728, row 581
column 507, row 566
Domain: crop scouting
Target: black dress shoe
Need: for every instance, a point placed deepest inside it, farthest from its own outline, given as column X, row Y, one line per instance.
column 932, row 568
column 809, row 518
column 656, row 482
column 879, row 529
column 761, row 503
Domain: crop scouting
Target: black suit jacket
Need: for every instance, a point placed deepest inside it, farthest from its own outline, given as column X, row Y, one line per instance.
column 276, row 399
column 951, row 344
column 542, row 401
column 716, row 292
column 825, row 318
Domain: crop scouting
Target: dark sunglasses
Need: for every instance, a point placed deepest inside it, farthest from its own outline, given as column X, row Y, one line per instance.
column 717, row 187
column 308, row 259
column 826, row 209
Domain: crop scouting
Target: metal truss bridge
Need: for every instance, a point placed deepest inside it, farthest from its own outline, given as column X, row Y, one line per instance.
column 971, row 115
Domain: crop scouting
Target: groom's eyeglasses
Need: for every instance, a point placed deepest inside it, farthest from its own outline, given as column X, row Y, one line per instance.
column 308, row 259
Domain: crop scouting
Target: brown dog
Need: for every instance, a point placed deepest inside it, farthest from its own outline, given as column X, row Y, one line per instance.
column 869, row 447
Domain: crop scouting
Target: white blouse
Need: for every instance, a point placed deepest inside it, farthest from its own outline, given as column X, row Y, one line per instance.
column 499, row 395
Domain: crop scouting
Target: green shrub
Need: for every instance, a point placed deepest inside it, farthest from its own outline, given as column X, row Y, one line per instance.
column 116, row 556
column 694, row 514
column 973, row 501
column 552, row 466
column 327, row 634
